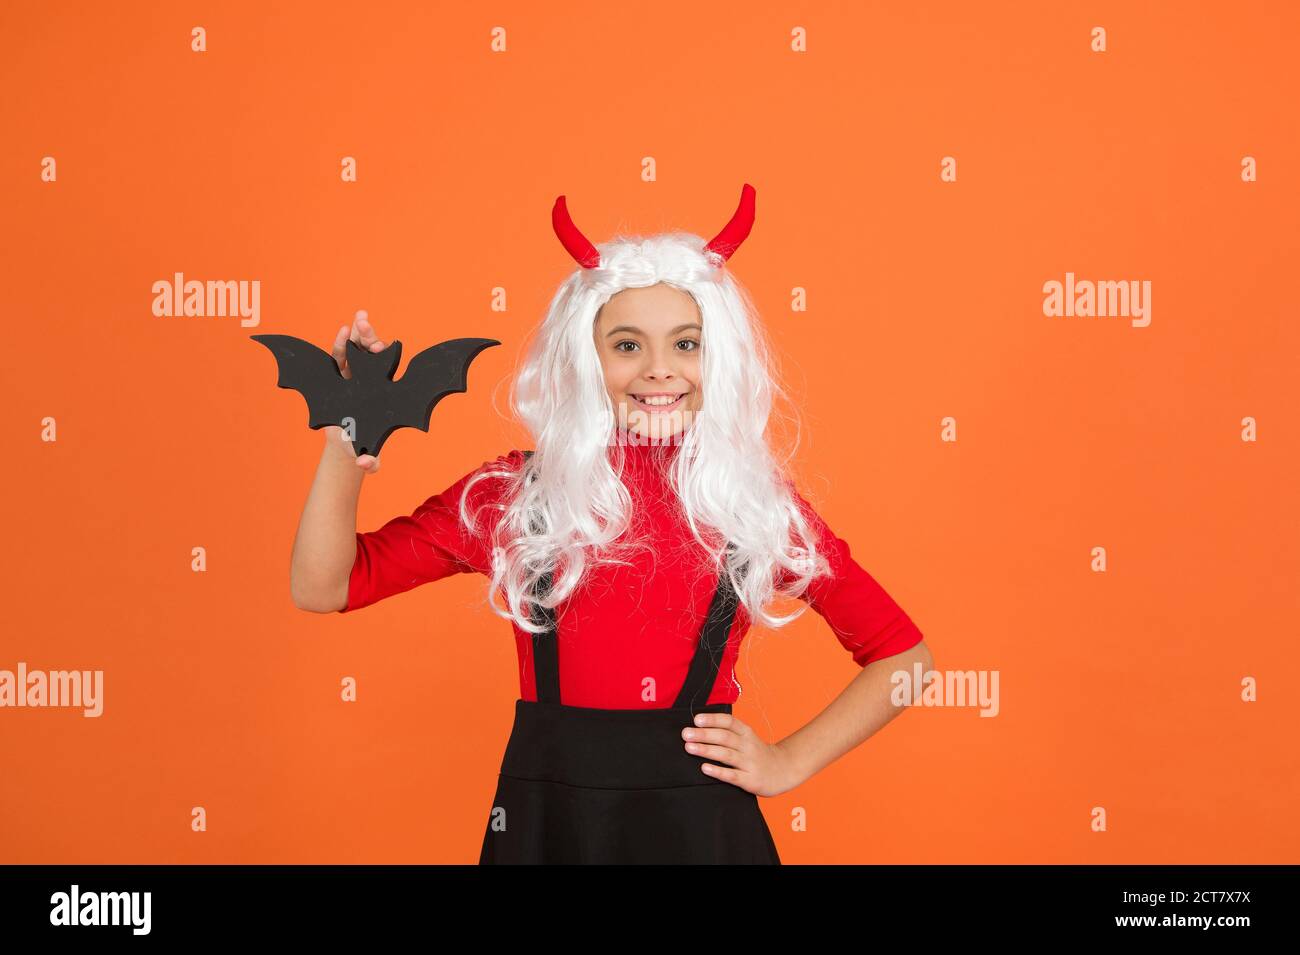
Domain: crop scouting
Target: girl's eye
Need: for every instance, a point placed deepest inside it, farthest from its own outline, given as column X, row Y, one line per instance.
column 687, row 341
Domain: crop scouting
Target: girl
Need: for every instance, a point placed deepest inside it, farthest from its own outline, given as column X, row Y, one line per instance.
column 633, row 547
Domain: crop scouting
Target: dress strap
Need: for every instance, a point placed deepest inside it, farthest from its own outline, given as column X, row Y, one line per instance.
column 703, row 673
column 546, row 653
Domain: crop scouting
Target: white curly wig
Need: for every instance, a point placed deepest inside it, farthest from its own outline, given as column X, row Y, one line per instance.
column 568, row 508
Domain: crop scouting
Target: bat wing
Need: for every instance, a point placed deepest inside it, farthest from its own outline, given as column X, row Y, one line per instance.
column 432, row 375
column 311, row 372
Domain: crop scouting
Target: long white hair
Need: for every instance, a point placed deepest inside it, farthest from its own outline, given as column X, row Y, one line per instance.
column 568, row 508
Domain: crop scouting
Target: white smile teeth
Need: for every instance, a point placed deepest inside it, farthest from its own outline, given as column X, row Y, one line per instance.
column 657, row 401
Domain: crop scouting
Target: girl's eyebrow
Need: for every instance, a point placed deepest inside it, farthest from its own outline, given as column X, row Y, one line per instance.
column 636, row 331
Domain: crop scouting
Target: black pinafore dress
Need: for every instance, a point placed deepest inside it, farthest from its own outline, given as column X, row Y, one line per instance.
column 581, row 785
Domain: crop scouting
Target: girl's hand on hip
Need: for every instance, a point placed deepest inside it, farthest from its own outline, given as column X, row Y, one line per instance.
column 739, row 755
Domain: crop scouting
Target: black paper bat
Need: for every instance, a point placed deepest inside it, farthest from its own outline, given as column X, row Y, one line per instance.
column 376, row 405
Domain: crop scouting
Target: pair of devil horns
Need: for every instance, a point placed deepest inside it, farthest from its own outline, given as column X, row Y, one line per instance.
column 724, row 243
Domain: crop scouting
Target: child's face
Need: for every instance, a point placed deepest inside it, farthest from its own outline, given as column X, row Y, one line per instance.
column 648, row 340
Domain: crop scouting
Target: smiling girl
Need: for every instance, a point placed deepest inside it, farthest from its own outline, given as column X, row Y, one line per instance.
column 630, row 549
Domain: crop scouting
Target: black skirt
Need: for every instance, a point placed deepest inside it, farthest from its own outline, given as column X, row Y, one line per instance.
column 580, row 785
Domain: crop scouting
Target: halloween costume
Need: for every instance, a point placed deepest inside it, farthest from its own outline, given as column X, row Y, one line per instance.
column 625, row 624
column 593, row 770
column 596, row 770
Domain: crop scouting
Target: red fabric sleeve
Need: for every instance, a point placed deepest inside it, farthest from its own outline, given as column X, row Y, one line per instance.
column 431, row 543
column 865, row 619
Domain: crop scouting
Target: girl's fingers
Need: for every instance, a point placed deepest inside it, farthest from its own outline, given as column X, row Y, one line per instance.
column 357, row 330
column 339, row 351
column 363, row 333
column 340, row 343
column 718, row 754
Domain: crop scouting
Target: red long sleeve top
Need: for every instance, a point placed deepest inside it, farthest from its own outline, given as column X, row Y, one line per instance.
column 626, row 629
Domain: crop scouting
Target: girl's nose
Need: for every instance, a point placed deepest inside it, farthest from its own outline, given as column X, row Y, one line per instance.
column 658, row 369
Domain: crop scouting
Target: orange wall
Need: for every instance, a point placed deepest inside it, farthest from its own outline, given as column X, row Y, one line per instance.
column 1119, row 690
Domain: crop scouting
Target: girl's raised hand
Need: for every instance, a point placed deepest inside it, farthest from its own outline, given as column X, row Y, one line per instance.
column 364, row 335
column 740, row 756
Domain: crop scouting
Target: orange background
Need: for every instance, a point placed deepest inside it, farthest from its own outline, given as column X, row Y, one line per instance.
column 1118, row 689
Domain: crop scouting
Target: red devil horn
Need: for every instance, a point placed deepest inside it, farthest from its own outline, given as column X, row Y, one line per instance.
column 579, row 245
column 734, row 232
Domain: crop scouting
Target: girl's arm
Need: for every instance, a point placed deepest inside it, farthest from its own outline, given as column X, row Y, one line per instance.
column 431, row 542
column 883, row 640
column 854, row 716
column 325, row 546
column 326, row 543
